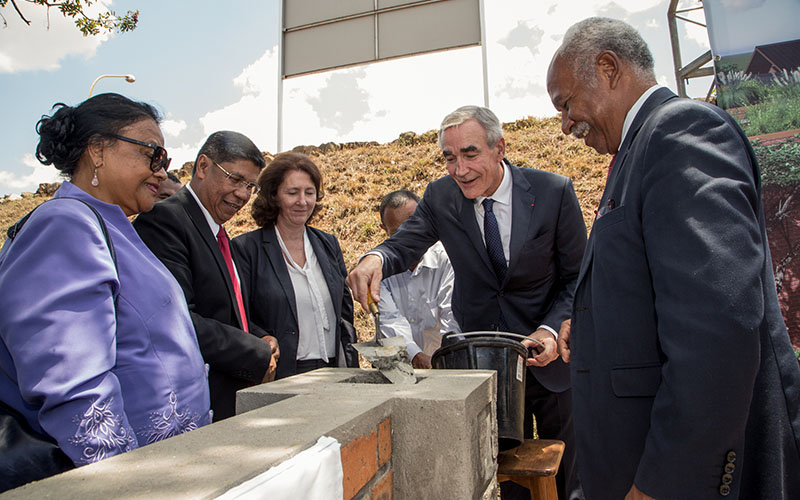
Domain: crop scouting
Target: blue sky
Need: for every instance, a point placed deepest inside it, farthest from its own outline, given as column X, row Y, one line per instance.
column 210, row 65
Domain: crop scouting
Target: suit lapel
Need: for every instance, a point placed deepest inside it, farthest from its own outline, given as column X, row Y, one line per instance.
column 522, row 220
column 275, row 257
column 201, row 225
column 658, row 98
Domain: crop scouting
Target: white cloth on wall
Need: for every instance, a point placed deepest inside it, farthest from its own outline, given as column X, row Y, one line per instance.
column 312, row 474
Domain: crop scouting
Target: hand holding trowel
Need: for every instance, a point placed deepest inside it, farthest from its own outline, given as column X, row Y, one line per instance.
column 389, row 355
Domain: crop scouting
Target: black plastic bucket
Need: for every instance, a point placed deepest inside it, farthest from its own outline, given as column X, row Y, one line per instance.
column 498, row 351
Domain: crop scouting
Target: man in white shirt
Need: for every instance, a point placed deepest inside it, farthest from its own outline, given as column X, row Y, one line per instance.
column 415, row 304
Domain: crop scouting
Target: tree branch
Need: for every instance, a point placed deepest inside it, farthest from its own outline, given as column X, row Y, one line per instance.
column 21, row 16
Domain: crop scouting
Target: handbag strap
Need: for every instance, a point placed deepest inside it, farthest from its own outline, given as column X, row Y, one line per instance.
column 17, row 227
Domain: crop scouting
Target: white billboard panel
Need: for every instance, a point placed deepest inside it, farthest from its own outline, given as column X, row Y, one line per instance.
column 326, row 34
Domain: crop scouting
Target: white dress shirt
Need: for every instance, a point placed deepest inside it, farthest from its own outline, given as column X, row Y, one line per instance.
column 416, row 304
column 501, row 209
column 316, row 317
column 626, row 125
column 502, row 212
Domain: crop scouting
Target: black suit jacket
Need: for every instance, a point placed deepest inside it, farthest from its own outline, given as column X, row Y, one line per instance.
column 682, row 370
column 177, row 232
column 271, row 298
column 548, row 237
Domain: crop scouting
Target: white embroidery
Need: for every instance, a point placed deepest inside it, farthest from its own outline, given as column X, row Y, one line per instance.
column 170, row 422
column 100, row 432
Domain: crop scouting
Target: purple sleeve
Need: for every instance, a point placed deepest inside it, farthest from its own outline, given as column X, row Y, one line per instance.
column 59, row 327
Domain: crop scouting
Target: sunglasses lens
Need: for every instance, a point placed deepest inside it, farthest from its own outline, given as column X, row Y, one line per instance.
column 160, row 160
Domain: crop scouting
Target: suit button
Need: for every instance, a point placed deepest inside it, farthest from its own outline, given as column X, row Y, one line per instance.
column 727, row 479
column 731, row 457
column 501, row 294
column 729, row 468
column 724, row 490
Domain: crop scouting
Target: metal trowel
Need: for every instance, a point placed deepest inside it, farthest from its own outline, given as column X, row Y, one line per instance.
column 389, row 355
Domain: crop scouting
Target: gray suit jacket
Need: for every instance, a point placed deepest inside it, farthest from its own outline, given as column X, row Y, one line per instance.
column 684, row 380
column 548, row 237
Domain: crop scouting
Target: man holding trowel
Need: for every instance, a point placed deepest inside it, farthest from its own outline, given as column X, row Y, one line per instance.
column 515, row 238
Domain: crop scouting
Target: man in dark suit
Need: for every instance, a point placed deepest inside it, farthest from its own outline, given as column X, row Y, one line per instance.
column 684, row 381
column 515, row 256
column 186, row 233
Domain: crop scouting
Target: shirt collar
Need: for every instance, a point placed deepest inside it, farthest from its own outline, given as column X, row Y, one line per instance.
column 626, row 125
column 212, row 224
column 503, row 193
column 430, row 258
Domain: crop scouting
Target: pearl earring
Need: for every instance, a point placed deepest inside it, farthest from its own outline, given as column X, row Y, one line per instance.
column 95, row 182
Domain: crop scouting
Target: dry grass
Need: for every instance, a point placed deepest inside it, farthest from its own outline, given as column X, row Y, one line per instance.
column 356, row 176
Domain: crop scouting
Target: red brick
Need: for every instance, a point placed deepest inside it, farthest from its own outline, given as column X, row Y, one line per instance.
column 384, row 441
column 359, row 463
column 383, row 488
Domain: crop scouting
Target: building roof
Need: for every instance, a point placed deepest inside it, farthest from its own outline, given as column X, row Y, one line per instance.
column 775, row 57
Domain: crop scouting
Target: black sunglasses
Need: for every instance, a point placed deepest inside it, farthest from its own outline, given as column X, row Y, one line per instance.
column 160, row 158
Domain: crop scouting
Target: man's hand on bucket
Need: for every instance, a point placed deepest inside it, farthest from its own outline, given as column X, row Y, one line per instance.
column 545, row 355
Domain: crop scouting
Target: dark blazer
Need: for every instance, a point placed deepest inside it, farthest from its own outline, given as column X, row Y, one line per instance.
column 271, row 295
column 177, row 232
column 683, row 376
column 548, row 237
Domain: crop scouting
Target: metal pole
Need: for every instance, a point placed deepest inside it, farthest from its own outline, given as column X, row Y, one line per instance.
column 279, row 128
column 484, row 57
column 676, row 49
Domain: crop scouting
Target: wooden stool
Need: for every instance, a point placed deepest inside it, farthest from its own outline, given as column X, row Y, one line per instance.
column 533, row 464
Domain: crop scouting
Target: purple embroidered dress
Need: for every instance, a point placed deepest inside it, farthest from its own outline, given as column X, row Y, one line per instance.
column 103, row 363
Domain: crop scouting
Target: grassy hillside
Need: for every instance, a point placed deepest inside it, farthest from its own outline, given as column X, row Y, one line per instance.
column 357, row 175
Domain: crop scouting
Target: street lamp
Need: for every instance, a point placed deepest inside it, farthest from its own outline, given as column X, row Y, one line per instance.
column 128, row 78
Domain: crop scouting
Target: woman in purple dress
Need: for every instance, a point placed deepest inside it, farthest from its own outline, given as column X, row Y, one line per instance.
column 98, row 353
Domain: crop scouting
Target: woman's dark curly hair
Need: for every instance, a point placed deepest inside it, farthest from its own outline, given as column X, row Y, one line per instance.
column 265, row 208
column 65, row 135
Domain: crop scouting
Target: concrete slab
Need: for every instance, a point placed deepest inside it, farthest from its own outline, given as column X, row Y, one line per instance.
column 443, row 439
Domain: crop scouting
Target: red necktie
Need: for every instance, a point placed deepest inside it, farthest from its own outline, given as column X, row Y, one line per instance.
column 611, row 165
column 225, row 248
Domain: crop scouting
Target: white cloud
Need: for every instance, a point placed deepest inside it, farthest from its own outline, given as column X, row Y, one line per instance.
column 254, row 114
column 636, row 5
column 173, row 127
column 11, row 182
column 379, row 101
column 34, row 47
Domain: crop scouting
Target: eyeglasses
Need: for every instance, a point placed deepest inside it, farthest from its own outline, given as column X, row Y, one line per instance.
column 160, row 158
column 239, row 181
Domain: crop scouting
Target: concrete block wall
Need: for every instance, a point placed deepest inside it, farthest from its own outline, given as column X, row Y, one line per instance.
column 436, row 439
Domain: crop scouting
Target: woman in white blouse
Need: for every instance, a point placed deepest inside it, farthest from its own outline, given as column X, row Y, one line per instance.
column 294, row 273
